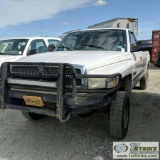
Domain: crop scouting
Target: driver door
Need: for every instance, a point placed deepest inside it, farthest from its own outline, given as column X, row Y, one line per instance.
column 138, row 57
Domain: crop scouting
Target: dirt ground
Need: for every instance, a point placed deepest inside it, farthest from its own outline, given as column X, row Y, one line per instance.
column 79, row 139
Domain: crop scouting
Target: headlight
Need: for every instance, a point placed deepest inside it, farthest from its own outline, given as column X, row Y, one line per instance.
column 102, row 83
column 112, row 82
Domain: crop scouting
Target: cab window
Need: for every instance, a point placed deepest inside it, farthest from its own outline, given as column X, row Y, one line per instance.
column 37, row 46
column 133, row 39
column 54, row 42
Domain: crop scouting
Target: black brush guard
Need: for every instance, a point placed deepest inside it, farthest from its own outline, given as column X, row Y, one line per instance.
column 65, row 76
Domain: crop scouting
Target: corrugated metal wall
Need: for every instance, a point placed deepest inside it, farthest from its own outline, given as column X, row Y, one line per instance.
column 155, row 44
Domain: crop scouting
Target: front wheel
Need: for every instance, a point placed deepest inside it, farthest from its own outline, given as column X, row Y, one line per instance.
column 32, row 116
column 119, row 115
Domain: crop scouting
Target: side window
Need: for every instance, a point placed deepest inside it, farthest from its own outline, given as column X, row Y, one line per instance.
column 37, row 46
column 132, row 39
column 54, row 42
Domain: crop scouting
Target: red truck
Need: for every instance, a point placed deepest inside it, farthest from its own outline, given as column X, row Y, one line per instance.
column 155, row 56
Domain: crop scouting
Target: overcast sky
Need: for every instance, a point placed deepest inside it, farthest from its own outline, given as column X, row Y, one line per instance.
column 53, row 17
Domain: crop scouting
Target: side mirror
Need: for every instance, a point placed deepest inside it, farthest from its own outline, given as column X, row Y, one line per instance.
column 145, row 45
column 51, row 47
column 142, row 45
column 31, row 52
column 145, row 42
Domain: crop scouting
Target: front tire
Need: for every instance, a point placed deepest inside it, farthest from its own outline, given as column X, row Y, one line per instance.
column 32, row 116
column 119, row 115
column 144, row 81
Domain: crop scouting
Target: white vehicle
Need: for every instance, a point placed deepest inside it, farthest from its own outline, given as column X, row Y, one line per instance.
column 91, row 70
column 16, row 48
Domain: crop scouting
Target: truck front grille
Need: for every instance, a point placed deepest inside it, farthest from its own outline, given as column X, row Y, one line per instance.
column 38, row 70
column 43, row 70
column 43, row 73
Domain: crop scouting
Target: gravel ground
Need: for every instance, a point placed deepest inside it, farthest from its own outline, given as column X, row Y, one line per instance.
column 79, row 139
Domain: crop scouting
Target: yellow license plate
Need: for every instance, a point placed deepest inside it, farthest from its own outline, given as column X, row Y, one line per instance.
column 33, row 101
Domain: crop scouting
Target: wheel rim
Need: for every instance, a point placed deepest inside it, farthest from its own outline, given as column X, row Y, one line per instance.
column 126, row 115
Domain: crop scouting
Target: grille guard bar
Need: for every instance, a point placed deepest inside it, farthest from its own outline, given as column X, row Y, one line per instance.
column 66, row 74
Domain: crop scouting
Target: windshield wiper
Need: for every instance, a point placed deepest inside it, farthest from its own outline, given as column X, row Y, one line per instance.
column 65, row 47
column 91, row 45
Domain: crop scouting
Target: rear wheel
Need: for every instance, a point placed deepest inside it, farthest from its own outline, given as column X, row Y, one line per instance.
column 85, row 115
column 157, row 63
column 119, row 115
column 144, row 81
column 32, row 116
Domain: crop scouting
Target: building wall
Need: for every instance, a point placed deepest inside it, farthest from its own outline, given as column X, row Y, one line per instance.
column 124, row 23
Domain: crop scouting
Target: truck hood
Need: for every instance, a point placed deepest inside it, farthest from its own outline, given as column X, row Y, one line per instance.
column 90, row 59
column 9, row 58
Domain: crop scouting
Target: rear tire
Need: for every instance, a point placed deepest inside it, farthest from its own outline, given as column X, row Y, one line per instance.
column 157, row 63
column 85, row 115
column 144, row 81
column 32, row 116
column 119, row 115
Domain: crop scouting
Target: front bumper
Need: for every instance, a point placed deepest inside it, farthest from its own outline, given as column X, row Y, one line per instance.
column 63, row 100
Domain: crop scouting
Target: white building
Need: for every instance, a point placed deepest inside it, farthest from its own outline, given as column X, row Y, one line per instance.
column 131, row 23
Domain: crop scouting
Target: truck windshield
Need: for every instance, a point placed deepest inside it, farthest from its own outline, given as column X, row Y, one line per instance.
column 12, row 46
column 110, row 40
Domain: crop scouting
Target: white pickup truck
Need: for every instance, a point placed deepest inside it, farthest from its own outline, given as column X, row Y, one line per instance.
column 16, row 48
column 91, row 70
